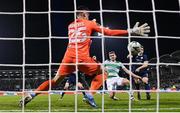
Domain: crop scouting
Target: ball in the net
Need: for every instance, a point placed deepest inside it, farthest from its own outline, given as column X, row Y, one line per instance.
column 134, row 47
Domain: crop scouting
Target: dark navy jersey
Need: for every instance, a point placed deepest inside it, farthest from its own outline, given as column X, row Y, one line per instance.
column 139, row 59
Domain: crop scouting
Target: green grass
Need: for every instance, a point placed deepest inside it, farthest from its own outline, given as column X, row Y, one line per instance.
column 169, row 102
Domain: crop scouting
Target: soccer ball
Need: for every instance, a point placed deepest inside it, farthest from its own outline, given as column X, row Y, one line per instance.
column 134, row 47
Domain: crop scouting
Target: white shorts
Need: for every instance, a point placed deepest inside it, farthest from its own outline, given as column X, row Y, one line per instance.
column 113, row 82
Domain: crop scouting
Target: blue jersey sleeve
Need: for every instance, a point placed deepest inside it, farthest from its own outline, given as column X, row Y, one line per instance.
column 145, row 57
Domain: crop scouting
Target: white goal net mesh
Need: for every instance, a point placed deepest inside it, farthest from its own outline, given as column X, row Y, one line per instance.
column 161, row 46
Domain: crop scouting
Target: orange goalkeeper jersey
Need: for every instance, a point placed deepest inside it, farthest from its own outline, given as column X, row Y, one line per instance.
column 79, row 33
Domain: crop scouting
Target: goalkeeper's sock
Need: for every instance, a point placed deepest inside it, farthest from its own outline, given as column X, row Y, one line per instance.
column 147, row 87
column 97, row 82
column 45, row 86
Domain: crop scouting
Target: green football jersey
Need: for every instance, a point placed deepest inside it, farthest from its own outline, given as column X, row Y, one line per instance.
column 113, row 68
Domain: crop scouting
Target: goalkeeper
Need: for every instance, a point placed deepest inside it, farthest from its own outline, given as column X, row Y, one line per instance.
column 79, row 32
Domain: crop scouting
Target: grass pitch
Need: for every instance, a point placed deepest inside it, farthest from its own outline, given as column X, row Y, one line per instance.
column 169, row 102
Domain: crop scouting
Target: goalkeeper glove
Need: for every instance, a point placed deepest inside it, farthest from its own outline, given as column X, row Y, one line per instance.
column 142, row 30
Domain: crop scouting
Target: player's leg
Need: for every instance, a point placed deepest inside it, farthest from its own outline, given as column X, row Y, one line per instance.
column 137, row 85
column 111, row 86
column 63, row 71
column 66, row 87
column 96, row 70
column 62, row 95
column 81, row 87
column 112, row 95
column 95, row 85
column 105, row 87
column 83, row 81
column 125, row 82
column 82, row 84
column 147, row 87
column 97, row 81
column 43, row 87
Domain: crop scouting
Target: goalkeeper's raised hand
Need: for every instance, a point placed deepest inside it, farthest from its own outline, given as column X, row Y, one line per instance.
column 142, row 30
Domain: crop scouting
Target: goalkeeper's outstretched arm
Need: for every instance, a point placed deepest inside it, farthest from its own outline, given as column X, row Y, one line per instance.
column 142, row 30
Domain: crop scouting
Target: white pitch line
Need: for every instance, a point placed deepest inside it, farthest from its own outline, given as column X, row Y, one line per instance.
column 79, row 109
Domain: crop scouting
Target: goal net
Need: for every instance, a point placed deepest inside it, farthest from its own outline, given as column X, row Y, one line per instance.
column 34, row 38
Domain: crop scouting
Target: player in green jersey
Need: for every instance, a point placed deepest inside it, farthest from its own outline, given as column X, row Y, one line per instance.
column 113, row 67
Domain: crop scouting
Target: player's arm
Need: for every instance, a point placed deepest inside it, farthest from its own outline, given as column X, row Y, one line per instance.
column 144, row 65
column 136, row 30
column 131, row 73
column 98, row 28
